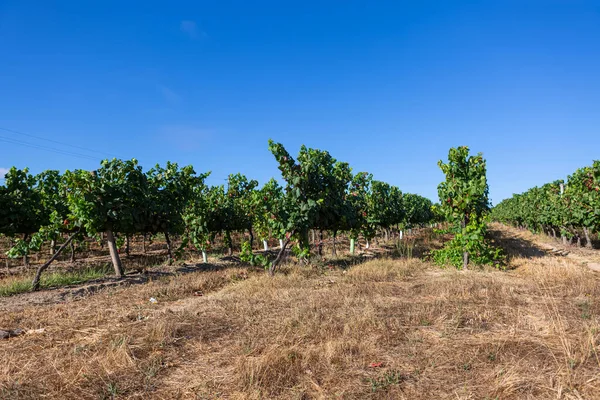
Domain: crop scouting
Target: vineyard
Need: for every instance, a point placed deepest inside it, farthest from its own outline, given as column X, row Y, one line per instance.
column 122, row 283
column 567, row 209
column 119, row 203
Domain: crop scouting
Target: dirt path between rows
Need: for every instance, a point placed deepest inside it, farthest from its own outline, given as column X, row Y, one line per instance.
column 587, row 257
column 594, row 266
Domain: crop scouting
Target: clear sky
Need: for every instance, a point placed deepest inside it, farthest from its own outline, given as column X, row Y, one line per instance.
column 388, row 86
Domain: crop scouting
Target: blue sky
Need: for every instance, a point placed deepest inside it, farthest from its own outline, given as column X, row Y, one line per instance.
column 387, row 86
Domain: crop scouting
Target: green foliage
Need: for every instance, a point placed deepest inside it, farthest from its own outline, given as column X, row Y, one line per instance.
column 582, row 192
column 110, row 198
column 36, row 206
column 564, row 207
column 464, row 193
column 238, row 207
column 465, row 205
column 357, row 198
column 120, row 200
column 472, row 240
column 202, row 217
column 21, row 207
column 50, row 186
column 417, row 210
column 385, row 205
column 437, row 214
column 246, row 255
column 168, row 193
column 212, row 210
column 267, row 204
column 52, row 194
column 51, row 231
column 314, row 187
column 302, row 253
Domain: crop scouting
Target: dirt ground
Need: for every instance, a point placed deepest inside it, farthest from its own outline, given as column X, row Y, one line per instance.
column 384, row 329
column 548, row 245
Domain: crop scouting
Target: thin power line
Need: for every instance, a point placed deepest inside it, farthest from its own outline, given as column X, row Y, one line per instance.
column 57, row 142
column 46, row 148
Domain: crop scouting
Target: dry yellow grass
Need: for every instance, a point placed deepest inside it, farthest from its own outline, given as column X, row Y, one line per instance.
column 397, row 329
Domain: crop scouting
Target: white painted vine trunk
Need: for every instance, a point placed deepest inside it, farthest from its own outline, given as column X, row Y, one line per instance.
column 266, row 245
column 588, row 242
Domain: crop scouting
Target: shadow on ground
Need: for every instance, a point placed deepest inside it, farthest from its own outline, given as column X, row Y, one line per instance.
column 516, row 246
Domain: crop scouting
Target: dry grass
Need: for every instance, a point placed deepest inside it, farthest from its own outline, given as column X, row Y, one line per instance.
column 397, row 329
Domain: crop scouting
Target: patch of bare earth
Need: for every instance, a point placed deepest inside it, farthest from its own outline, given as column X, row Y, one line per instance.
column 397, row 329
column 540, row 244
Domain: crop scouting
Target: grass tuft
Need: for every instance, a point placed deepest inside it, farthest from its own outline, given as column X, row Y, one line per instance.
column 22, row 284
